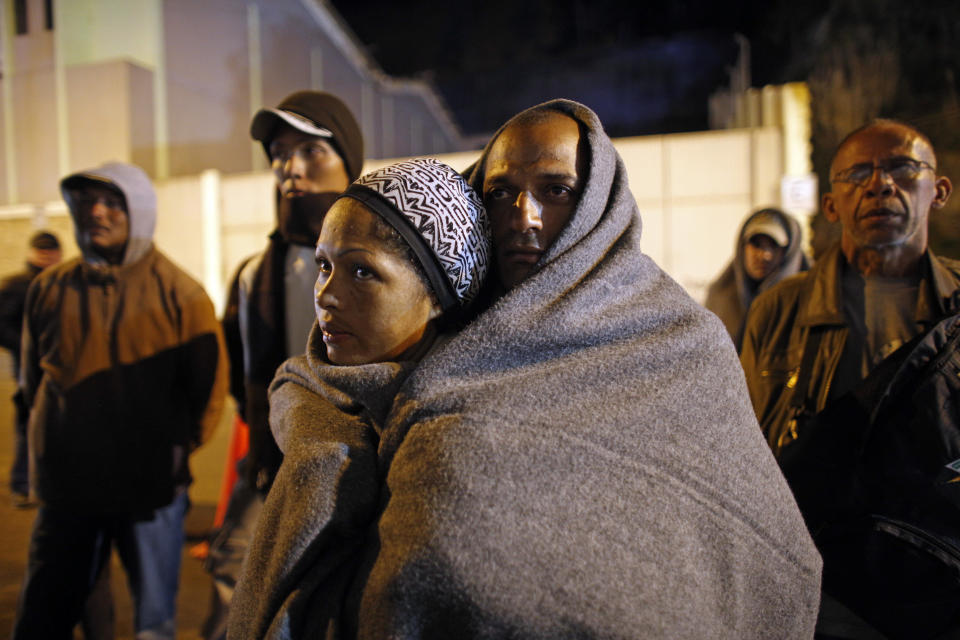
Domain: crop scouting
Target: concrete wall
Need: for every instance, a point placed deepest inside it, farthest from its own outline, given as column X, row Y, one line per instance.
column 110, row 114
column 207, row 86
column 172, row 84
column 692, row 190
column 28, row 68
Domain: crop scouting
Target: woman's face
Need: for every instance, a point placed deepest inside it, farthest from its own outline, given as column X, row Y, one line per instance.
column 370, row 304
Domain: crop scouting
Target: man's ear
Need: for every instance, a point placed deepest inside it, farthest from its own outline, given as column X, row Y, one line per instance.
column 829, row 207
column 943, row 188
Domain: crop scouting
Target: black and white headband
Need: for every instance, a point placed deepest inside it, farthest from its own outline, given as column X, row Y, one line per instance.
column 442, row 219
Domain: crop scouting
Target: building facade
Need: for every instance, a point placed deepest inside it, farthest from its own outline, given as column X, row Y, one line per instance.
column 171, row 85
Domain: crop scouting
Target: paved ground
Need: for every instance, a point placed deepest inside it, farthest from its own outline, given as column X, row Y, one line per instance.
column 15, row 527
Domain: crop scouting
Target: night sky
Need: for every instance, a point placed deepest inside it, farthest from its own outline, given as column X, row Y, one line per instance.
column 643, row 67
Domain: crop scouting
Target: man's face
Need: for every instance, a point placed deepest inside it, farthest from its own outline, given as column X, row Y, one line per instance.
column 103, row 217
column 761, row 256
column 884, row 210
column 43, row 258
column 303, row 163
column 532, row 183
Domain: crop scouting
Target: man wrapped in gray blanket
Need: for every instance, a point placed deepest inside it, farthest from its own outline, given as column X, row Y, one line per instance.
column 582, row 459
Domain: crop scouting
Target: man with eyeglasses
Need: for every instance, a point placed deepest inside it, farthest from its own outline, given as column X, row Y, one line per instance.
column 867, row 295
column 810, row 342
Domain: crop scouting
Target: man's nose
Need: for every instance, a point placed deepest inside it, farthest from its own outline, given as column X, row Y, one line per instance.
column 528, row 213
column 99, row 210
column 880, row 184
column 293, row 165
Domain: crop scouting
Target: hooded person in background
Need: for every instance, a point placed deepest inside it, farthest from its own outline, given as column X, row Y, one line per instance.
column 125, row 373
column 768, row 250
column 315, row 149
column 582, row 459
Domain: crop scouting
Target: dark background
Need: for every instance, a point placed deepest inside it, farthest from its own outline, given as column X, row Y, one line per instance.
column 650, row 67
column 645, row 67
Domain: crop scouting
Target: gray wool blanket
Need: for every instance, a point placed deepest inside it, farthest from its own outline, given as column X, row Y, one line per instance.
column 582, row 461
column 326, row 420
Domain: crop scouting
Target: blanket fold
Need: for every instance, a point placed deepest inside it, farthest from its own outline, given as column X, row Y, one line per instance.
column 326, row 420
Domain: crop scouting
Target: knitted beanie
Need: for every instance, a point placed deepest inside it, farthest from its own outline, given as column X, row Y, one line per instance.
column 442, row 219
column 318, row 114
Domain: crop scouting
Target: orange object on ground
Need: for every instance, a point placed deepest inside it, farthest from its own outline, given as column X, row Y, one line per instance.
column 236, row 449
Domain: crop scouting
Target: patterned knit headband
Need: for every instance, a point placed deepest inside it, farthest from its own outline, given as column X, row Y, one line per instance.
column 440, row 217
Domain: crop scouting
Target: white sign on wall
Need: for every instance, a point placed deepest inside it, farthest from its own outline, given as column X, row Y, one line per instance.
column 798, row 194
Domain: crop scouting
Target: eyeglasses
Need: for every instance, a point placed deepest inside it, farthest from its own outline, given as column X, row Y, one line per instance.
column 899, row 169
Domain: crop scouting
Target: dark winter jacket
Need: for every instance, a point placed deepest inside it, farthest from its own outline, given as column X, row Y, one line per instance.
column 123, row 368
column 13, row 294
column 781, row 321
column 876, row 475
column 255, row 324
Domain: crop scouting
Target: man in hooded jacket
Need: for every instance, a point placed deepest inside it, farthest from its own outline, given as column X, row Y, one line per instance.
column 125, row 374
column 768, row 250
column 582, row 459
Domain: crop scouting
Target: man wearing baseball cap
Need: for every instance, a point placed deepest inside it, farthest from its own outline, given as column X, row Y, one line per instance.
column 767, row 251
column 315, row 149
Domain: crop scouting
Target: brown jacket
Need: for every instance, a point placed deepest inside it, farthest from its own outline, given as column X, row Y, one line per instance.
column 124, row 370
column 780, row 322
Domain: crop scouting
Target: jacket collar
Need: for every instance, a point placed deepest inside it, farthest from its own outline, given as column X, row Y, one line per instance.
column 820, row 297
column 820, row 293
column 945, row 283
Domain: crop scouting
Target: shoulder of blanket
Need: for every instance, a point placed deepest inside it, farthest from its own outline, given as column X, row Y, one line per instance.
column 295, row 369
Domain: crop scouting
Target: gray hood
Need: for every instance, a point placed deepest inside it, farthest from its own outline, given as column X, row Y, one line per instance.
column 733, row 291
column 141, row 207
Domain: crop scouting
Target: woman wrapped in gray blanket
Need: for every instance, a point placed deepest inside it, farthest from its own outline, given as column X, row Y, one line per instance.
column 401, row 253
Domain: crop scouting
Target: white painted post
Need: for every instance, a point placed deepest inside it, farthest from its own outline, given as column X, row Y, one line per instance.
column 210, row 217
